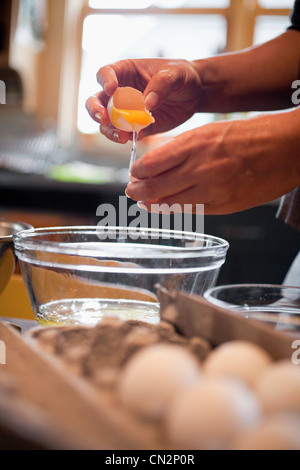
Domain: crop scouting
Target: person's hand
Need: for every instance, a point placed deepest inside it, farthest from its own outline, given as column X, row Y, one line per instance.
column 171, row 91
column 227, row 166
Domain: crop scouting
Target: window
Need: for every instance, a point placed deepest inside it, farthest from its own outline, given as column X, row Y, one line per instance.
column 267, row 26
column 140, row 4
column 277, row 4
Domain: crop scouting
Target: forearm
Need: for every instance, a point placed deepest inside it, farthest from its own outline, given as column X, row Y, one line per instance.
column 256, row 79
column 228, row 166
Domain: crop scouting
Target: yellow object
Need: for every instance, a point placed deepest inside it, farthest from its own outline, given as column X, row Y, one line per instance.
column 7, row 266
column 127, row 111
column 14, row 301
column 133, row 117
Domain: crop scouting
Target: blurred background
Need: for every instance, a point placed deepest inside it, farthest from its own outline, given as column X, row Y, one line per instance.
column 56, row 168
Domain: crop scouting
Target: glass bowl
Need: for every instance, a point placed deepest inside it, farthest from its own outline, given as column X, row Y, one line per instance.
column 275, row 305
column 78, row 275
column 7, row 256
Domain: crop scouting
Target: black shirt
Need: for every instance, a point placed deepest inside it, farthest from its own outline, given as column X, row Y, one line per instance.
column 289, row 209
column 296, row 16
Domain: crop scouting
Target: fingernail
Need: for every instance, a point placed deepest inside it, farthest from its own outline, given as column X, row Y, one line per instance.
column 132, row 179
column 152, row 100
column 99, row 116
column 104, row 86
column 116, row 136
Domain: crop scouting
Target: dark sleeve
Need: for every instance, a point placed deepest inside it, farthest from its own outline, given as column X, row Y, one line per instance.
column 289, row 209
column 296, row 16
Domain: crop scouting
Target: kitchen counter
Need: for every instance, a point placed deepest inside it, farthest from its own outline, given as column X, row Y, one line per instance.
column 39, row 192
column 261, row 247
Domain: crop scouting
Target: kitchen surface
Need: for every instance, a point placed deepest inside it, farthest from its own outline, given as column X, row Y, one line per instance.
column 132, row 337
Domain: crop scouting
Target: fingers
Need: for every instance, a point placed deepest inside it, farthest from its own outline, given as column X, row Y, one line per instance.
column 176, row 205
column 163, row 159
column 172, row 182
column 107, row 78
column 186, row 201
column 161, row 85
column 115, row 135
column 96, row 107
column 121, row 73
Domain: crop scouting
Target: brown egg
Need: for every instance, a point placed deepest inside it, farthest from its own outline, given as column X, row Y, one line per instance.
column 208, row 415
column 240, row 359
column 278, row 388
column 277, row 432
column 153, row 376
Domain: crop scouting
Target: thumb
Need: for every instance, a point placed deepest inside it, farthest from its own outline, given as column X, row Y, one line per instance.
column 161, row 85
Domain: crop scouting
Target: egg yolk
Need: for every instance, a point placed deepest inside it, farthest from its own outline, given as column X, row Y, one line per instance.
column 133, row 117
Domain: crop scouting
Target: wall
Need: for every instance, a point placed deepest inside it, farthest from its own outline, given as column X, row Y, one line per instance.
column 40, row 69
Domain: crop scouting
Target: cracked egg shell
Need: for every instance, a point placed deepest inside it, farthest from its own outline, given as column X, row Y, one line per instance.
column 127, row 111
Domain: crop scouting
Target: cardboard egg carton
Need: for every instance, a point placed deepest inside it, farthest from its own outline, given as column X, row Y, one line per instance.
column 58, row 386
column 45, row 404
column 194, row 316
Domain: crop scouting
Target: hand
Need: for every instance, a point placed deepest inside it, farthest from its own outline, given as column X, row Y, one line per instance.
column 227, row 166
column 171, row 90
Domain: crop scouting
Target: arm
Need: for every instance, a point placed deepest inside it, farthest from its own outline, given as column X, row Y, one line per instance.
column 259, row 78
column 228, row 166
column 256, row 79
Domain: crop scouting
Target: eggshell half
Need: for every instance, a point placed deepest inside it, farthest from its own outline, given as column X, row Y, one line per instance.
column 126, row 98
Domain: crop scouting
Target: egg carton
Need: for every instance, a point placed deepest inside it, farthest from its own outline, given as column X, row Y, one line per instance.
column 60, row 386
column 192, row 316
column 58, row 390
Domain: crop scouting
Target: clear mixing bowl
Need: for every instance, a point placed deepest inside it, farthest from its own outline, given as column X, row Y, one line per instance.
column 78, row 275
column 276, row 305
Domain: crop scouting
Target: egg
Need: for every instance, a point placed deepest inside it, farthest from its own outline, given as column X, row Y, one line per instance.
column 153, row 376
column 209, row 414
column 276, row 432
column 278, row 387
column 240, row 359
column 127, row 111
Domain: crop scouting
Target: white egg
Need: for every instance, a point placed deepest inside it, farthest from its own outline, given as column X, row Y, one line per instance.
column 240, row 359
column 154, row 375
column 278, row 387
column 208, row 415
column 276, row 432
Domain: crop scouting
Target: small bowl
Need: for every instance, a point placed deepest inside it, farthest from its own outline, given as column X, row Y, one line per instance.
column 78, row 275
column 7, row 256
column 275, row 305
